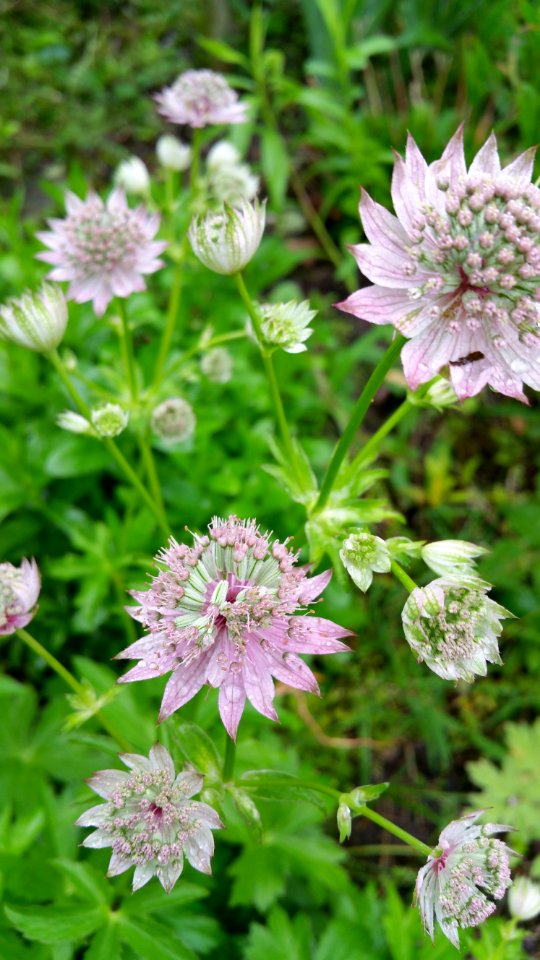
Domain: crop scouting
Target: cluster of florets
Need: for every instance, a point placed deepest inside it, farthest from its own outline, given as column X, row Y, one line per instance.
column 362, row 555
column 226, row 240
column 199, row 98
column 454, row 626
column 173, row 420
column 459, row 270
column 465, row 873
column 103, row 249
column 222, row 612
column 286, row 325
column 19, row 591
column 150, row 820
column 217, row 365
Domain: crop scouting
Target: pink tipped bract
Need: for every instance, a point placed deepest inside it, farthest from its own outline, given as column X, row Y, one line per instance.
column 457, row 271
column 199, row 98
column 102, row 249
column 230, row 612
column 19, row 592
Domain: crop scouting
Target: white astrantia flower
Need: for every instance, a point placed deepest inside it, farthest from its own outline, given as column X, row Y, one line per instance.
column 363, row 554
column 75, row 423
column 173, row 420
column 286, row 325
column 132, row 175
column 19, row 592
column 35, row 320
column 465, row 873
column 225, row 241
column 222, row 154
column 172, row 153
column 109, row 420
column 440, row 395
column 449, row 557
column 524, row 899
column 229, row 180
column 453, row 626
column 217, row 365
column 150, row 819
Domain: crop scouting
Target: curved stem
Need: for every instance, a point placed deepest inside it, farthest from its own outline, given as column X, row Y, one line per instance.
column 372, row 445
column 360, row 409
column 403, row 576
column 153, row 476
column 127, row 351
column 230, row 756
column 392, row 828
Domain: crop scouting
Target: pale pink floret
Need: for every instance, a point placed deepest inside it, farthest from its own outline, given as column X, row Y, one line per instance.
column 464, row 874
column 19, row 592
column 230, row 612
column 199, row 98
column 457, row 271
column 150, row 819
column 102, row 249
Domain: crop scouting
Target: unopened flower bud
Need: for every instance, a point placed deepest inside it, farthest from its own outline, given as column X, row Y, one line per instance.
column 440, row 395
column 226, row 241
column 361, row 555
column 286, row 325
column 69, row 420
column 217, row 365
column 109, row 420
column 173, row 420
column 344, row 822
column 524, row 899
column 172, row 153
column 223, row 153
column 19, row 591
column 133, row 176
column 35, row 320
column 448, row 557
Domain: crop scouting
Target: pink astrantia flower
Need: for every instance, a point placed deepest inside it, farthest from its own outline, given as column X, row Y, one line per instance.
column 19, row 591
column 464, row 874
column 199, row 98
column 150, row 820
column 103, row 249
column 457, row 271
column 223, row 613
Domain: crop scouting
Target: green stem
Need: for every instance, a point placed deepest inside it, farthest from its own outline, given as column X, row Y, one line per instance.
column 125, row 467
column 275, row 394
column 313, row 218
column 153, row 477
column 230, row 756
column 127, row 351
column 371, row 447
column 396, row 831
column 403, row 576
column 360, row 409
column 203, row 347
column 70, row 680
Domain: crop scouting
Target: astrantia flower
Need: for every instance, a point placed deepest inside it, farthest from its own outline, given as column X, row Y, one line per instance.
column 132, row 175
column 524, row 899
column 172, row 153
column 173, row 420
column 199, row 98
column 458, row 271
column 452, row 557
column 35, row 320
column 465, row 873
column 19, row 591
column 286, row 325
column 217, row 365
column 227, row 240
column 230, row 612
column 103, row 249
column 150, row 820
column 363, row 554
column 109, row 420
column 454, row 626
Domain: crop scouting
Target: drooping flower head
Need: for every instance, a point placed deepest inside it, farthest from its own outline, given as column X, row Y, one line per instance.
column 103, row 249
column 453, row 625
column 150, row 820
column 465, row 873
column 200, row 98
column 36, row 320
column 458, row 271
column 19, row 591
column 226, row 240
column 230, row 612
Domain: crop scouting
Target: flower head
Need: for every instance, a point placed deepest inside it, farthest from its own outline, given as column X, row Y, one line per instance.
column 225, row 241
column 173, row 420
column 524, row 899
column 109, row 420
column 458, row 271
column 229, row 180
column 150, row 820
column 103, row 249
column 172, row 153
column 230, row 612
column 19, row 591
column 452, row 557
column 286, row 325
column 466, row 871
column 217, row 365
column 132, row 175
column 199, row 98
column 35, row 320
column 440, row 394
column 363, row 554
column 454, row 626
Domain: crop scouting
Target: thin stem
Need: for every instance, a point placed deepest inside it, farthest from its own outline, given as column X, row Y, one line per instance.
column 407, row 838
column 127, row 351
column 403, row 576
column 152, row 474
column 230, row 756
column 314, row 219
column 360, row 409
column 125, row 467
column 275, row 394
column 371, row 447
column 203, row 347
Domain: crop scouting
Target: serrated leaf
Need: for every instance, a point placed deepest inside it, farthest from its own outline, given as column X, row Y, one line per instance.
column 366, row 794
column 55, row 924
column 88, row 883
column 274, row 785
column 105, row 945
column 152, row 940
column 152, row 899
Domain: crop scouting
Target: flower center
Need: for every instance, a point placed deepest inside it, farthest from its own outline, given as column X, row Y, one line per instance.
column 100, row 240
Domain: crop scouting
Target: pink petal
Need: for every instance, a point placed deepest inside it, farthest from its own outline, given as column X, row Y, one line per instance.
column 381, row 227
column 415, row 164
column 388, row 269
column 521, row 169
column 258, row 682
column 290, row 669
column 185, row 682
column 405, row 196
column 312, row 587
column 231, row 702
column 452, row 162
column 315, row 635
column 379, row 305
column 106, row 782
column 487, row 159
column 148, row 670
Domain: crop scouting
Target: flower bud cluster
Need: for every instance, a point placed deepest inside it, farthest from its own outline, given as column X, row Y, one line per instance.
column 286, row 325
column 362, row 555
column 173, row 420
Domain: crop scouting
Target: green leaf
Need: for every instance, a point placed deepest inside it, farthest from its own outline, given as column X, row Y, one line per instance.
column 282, row 938
column 222, row 51
column 54, row 924
column 199, row 749
column 87, row 882
column 361, row 795
column 298, row 479
column 275, row 165
column 74, row 456
column 275, row 785
column 152, row 940
column 152, row 898
column 105, row 945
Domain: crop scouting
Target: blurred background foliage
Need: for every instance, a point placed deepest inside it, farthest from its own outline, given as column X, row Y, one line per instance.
column 334, row 84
